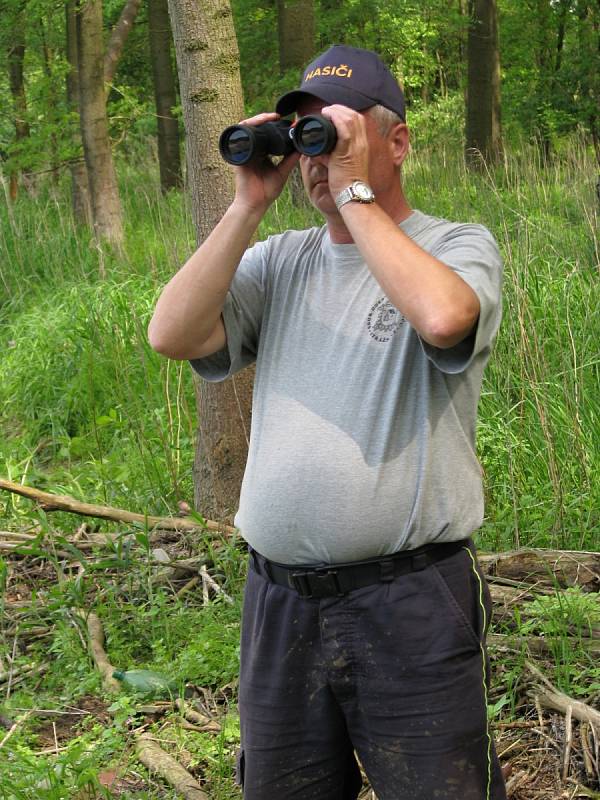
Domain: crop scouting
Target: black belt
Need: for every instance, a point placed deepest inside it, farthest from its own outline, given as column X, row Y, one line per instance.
column 331, row 580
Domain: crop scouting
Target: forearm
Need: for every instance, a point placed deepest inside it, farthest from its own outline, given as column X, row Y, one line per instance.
column 190, row 305
column 440, row 306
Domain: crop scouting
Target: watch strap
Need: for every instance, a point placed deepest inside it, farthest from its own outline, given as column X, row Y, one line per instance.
column 345, row 196
column 349, row 194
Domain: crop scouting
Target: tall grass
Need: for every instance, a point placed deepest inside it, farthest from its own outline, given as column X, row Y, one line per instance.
column 88, row 408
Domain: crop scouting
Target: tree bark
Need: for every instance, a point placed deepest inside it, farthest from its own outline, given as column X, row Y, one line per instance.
column 106, row 206
column 296, row 28
column 211, row 96
column 483, row 136
column 16, row 58
column 51, row 100
column 560, row 36
column 118, row 37
column 80, row 196
column 165, row 95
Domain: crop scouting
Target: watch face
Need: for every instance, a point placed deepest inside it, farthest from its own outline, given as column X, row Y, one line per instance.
column 362, row 190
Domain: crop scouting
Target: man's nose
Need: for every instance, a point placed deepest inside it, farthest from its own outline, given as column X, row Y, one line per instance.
column 322, row 160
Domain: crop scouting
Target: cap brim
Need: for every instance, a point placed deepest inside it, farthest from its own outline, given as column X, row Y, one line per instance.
column 329, row 93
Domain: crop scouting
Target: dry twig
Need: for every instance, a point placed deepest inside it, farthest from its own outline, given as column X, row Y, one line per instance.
column 54, row 502
column 96, row 645
column 154, row 757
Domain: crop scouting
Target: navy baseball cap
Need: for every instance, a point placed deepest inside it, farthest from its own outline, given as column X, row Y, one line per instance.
column 350, row 76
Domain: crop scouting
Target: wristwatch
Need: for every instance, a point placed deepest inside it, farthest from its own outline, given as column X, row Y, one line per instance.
column 359, row 192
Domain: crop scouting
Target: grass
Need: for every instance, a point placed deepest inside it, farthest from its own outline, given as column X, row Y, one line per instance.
column 88, row 409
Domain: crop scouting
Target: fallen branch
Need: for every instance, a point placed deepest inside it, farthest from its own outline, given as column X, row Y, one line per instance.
column 14, row 547
column 550, row 697
column 155, row 758
column 207, row 580
column 549, row 567
column 13, row 673
column 19, row 721
column 539, row 645
column 200, row 721
column 191, row 584
column 96, row 645
column 55, row 502
column 568, row 743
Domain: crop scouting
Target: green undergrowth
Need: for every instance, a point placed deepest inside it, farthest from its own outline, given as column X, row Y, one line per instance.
column 566, row 620
column 87, row 408
column 146, row 626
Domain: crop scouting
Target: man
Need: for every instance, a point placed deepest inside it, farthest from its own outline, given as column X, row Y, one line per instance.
column 365, row 611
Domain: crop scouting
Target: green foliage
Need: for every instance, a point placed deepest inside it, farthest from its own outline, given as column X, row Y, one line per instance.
column 80, row 386
column 550, row 67
column 549, row 55
column 564, row 619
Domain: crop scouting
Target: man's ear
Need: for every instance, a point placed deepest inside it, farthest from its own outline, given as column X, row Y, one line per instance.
column 399, row 140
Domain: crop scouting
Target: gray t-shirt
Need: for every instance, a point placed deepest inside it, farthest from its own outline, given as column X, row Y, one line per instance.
column 363, row 435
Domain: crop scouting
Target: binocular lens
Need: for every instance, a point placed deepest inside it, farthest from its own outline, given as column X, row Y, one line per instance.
column 314, row 135
column 312, row 138
column 236, row 145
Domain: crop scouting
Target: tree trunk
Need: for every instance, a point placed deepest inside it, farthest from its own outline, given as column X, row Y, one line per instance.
column 106, row 206
column 118, row 37
column 483, row 137
column 560, row 36
column 296, row 26
column 588, row 35
column 463, row 12
column 165, row 95
column 80, row 198
column 51, row 100
column 211, row 96
column 16, row 57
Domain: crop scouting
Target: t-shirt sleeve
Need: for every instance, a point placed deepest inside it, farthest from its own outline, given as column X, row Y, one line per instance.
column 242, row 317
column 471, row 251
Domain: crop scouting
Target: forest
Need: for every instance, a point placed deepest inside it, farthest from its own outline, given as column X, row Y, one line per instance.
column 120, row 471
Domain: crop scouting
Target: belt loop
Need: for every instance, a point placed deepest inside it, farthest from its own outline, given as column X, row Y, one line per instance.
column 255, row 561
column 420, row 561
column 267, row 568
column 261, row 564
column 387, row 572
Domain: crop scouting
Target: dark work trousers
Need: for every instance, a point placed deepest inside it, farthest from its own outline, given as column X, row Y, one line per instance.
column 395, row 674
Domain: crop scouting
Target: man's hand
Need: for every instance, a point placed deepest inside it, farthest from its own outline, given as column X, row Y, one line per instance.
column 260, row 182
column 349, row 161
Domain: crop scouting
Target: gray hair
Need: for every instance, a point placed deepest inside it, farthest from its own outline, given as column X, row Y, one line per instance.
column 384, row 118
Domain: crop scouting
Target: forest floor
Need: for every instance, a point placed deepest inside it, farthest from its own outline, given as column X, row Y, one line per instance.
column 66, row 734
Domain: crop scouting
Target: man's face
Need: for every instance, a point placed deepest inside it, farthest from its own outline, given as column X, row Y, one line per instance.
column 382, row 169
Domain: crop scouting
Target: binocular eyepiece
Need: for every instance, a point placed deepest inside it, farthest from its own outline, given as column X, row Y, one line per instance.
column 312, row 135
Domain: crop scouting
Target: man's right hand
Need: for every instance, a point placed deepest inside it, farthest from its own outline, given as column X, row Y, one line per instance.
column 260, row 182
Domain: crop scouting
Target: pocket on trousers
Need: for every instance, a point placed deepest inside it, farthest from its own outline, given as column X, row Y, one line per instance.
column 240, row 765
column 457, row 587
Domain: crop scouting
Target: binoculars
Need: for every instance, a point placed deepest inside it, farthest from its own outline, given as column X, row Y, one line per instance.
column 312, row 135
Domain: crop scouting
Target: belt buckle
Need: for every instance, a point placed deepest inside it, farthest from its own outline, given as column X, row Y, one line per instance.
column 300, row 582
column 319, row 582
column 326, row 573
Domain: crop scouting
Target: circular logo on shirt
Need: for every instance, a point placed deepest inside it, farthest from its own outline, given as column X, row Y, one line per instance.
column 384, row 320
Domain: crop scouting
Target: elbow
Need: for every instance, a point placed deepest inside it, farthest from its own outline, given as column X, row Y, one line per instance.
column 159, row 341
column 449, row 331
